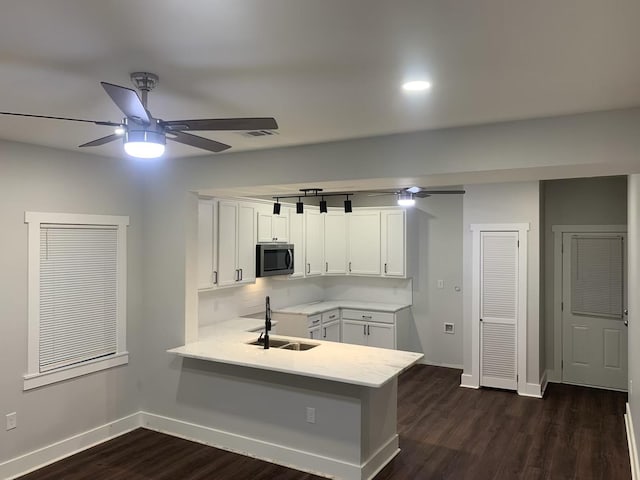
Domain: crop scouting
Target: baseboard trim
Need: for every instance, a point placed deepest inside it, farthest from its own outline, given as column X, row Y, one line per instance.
column 251, row 447
column 440, row 364
column 270, row 452
column 36, row 459
column 467, row 381
column 631, row 441
column 535, row 390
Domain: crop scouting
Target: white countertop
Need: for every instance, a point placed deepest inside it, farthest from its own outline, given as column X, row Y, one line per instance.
column 226, row 342
column 319, row 307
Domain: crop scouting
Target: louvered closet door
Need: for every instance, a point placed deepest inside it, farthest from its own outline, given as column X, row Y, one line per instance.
column 498, row 309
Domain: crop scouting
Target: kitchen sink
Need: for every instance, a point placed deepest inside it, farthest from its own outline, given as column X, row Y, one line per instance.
column 286, row 344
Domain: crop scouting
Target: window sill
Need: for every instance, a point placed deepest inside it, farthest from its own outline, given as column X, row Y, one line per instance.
column 36, row 380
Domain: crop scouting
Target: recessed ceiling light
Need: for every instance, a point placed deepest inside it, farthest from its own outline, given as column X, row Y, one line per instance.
column 416, row 86
column 119, row 131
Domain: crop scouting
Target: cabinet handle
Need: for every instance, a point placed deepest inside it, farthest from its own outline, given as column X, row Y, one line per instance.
column 332, row 316
column 368, row 329
column 215, row 277
column 237, row 274
column 315, row 321
column 366, row 316
column 385, row 268
column 364, row 329
column 349, row 267
column 240, row 274
column 326, row 266
column 308, row 268
column 325, row 332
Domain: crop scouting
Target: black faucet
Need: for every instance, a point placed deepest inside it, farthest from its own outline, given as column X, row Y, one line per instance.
column 267, row 322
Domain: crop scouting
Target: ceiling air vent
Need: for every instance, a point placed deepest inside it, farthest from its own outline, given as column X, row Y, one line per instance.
column 259, row 133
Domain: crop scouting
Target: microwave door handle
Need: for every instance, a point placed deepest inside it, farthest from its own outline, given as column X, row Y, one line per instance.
column 289, row 258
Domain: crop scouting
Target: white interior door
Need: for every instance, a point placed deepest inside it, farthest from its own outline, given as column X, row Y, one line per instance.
column 498, row 309
column 594, row 334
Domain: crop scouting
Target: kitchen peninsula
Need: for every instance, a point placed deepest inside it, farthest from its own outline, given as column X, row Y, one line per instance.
column 330, row 410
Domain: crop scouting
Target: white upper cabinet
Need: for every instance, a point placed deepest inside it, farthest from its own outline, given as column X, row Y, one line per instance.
column 296, row 238
column 364, row 242
column 335, row 243
column 246, row 243
column 206, row 230
column 393, row 236
column 273, row 228
column 314, row 235
column 236, row 243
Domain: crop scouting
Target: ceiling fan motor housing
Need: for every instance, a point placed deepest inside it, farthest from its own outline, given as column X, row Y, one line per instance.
column 137, row 132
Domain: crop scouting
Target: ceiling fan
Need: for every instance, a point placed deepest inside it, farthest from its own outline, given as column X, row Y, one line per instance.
column 145, row 136
column 407, row 196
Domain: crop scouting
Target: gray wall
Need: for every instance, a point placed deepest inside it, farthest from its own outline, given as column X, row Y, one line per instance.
column 439, row 257
column 577, row 201
column 40, row 179
column 634, row 300
column 516, row 202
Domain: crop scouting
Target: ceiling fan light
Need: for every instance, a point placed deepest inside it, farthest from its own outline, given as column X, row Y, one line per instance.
column 144, row 144
column 406, row 199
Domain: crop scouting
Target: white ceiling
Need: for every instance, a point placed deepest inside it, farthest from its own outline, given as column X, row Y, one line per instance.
column 326, row 69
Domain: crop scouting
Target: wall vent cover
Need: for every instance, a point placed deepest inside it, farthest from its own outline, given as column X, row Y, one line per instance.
column 259, row 133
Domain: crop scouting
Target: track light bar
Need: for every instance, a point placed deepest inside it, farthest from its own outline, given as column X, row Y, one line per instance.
column 313, row 192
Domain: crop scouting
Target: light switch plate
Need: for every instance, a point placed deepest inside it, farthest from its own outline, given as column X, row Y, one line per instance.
column 311, row 415
column 441, row 284
column 449, row 328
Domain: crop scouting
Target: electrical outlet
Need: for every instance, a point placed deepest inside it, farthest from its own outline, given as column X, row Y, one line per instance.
column 12, row 420
column 311, row 415
column 440, row 284
column 449, row 328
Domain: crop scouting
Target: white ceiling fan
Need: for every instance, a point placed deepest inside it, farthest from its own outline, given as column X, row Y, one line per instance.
column 144, row 136
column 407, row 196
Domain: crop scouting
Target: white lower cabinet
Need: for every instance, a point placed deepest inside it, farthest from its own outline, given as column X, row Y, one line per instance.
column 331, row 331
column 314, row 333
column 374, row 329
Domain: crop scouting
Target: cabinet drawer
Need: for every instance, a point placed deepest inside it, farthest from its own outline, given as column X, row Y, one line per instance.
column 331, row 316
column 314, row 320
column 368, row 316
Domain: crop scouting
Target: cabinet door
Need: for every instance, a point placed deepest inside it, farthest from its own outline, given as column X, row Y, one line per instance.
column 272, row 228
column 331, row 331
column 246, row 243
column 315, row 333
column 296, row 237
column 364, row 243
column 354, row 332
column 206, row 268
column 381, row 335
column 335, row 243
column 265, row 227
column 313, row 244
column 227, row 242
column 280, row 228
column 393, row 243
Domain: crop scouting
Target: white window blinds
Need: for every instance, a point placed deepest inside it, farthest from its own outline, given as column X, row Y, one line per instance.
column 597, row 269
column 78, row 293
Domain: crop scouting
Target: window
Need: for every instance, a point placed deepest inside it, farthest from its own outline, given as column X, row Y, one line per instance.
column 77, row 295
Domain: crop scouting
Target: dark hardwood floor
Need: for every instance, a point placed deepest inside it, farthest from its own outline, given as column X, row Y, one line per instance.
column 446, row 432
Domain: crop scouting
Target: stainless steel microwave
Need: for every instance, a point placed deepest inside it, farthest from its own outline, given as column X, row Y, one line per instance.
column 274, row 259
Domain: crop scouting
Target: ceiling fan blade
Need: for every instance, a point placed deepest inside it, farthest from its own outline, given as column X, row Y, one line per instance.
column 128, row 101
column 427, row 193
column 379, row 194
column 198, row 142
column 262, row 123
column 102, row 141
column 96, row 122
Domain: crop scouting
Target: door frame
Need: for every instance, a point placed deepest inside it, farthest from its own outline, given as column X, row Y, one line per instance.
column 521, row 321
column 554, row 372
